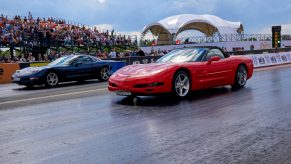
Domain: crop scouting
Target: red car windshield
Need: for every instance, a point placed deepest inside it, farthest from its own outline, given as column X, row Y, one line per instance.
column 183, row 55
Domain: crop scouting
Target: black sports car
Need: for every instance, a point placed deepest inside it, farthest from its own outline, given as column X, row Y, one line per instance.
column 67, row 68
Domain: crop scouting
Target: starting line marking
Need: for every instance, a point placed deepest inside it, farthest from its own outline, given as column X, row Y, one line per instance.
column 51, row 96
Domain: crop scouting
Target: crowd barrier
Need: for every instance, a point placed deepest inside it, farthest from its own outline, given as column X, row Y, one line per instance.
column 116, row 65
column 137, row 59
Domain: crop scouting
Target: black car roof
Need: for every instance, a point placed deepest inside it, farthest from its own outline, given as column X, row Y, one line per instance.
column 208, row 47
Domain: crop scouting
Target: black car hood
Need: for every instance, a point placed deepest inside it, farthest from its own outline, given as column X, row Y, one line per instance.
column 30, row 70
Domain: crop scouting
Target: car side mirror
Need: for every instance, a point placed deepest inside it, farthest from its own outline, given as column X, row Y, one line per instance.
column 212, row 59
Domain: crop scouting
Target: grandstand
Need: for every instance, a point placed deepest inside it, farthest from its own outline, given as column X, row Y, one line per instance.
column 39, row 35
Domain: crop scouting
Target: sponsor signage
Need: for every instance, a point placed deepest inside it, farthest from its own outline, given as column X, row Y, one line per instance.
column 6, row 71
column 261, row 60
column 1, row 71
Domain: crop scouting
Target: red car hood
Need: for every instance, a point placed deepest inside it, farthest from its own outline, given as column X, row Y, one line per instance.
column 144, row 69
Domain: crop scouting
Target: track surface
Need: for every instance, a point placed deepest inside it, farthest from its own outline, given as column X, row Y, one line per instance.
column 84, row 123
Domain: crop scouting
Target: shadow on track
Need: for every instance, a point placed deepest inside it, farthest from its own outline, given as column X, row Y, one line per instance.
column 169, row 100
column 60, row 85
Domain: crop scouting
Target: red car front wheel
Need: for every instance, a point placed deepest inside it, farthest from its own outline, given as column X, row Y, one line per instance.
column 181, row 84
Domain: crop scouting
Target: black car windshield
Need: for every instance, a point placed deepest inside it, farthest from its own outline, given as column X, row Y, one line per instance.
column 183, row 55
column 65, row 60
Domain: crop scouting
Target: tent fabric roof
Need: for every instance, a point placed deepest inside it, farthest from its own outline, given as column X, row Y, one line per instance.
column 208, row 24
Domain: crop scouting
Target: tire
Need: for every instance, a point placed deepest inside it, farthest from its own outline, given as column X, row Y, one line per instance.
column 51, row 79
column 181, row 84
column 104, row 74
column 240, row 77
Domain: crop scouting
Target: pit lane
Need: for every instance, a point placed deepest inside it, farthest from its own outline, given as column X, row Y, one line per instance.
column 84, row 123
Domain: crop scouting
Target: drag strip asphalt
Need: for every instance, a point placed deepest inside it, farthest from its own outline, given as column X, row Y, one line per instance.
column 90, row 125
column 15, row 95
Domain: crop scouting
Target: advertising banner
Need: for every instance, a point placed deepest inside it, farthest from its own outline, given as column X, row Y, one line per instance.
column 38, row 64
column 261, row 60
column 6, row 71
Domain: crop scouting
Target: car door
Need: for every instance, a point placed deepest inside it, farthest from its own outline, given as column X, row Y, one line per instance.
column 81, row 68
column 216, row 73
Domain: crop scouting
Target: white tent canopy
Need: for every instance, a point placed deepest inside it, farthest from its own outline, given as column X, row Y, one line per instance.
column 170, row 27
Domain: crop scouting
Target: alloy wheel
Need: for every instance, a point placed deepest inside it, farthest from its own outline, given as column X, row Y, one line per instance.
column 241, row 76
column 52, row 79
column 104, row 73
column 182, row 85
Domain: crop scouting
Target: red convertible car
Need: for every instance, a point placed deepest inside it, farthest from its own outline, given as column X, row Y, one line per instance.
column 182, row 71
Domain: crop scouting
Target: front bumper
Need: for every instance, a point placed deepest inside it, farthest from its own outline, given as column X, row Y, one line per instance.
column 27, row 80
column 143, row 86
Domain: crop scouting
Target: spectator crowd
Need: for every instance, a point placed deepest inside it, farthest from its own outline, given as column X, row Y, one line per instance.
column 45, row 31
column 29, row 32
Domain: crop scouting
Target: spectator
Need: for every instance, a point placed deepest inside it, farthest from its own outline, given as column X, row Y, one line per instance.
column 22, row 59
column 140, row 53
column 31, row 58
column 112, row 54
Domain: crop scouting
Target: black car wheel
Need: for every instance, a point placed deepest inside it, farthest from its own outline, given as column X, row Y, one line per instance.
column 52, row 79
column 240, row 77
column 181, row 84
column 104, row 74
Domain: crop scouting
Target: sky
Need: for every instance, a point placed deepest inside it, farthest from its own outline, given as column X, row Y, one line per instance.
column 257, row 16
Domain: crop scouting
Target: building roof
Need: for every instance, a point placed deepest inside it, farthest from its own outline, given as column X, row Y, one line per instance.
column 207, row 24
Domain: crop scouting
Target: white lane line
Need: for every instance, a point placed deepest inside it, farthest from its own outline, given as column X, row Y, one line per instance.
column 51, row 96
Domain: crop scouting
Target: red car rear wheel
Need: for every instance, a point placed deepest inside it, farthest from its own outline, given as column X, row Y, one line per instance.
column 240, row 77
